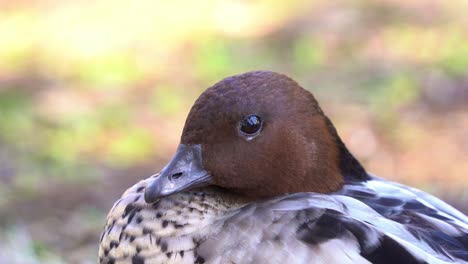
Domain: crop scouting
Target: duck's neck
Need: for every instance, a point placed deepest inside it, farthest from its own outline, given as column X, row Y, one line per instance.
column 349, row 166
column 169, row 229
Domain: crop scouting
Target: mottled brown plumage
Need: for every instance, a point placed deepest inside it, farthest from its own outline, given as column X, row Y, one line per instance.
column 165, row 232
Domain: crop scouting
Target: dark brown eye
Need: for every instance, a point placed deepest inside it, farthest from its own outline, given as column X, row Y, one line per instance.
column 251, row 125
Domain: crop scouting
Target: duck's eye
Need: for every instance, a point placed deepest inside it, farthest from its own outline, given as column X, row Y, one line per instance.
column 251, row 125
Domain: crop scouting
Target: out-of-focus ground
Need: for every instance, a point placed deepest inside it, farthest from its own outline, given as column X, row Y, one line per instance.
column 93, row 97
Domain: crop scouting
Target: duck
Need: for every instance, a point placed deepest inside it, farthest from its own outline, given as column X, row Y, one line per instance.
column 262, row 176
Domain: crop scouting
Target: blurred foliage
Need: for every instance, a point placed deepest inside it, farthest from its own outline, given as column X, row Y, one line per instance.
column 96, row 89
column 18, row 248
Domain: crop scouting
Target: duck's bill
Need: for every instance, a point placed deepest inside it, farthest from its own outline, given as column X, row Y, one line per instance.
column 185, row 171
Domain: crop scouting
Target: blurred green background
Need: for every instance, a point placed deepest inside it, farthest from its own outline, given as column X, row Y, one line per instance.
column 93, row 97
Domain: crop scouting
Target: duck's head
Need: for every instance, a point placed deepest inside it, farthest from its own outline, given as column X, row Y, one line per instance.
column 257, row 134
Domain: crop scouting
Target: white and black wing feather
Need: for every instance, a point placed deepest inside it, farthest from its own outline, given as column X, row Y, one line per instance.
column 428, row 218
column 315, row 228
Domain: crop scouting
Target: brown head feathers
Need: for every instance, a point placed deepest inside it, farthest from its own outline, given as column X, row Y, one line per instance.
column 295, row 148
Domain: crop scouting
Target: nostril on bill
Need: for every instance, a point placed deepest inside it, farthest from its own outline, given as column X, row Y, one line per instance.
column 177, row 175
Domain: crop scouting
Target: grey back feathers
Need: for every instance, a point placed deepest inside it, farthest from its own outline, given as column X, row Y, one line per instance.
column 358, row 225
